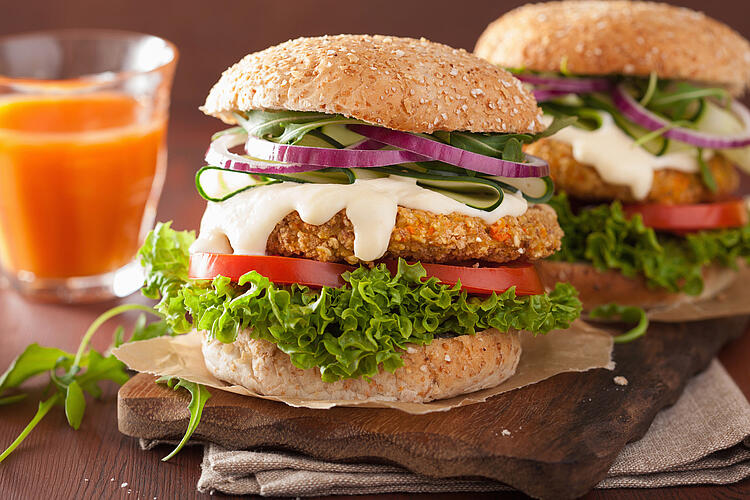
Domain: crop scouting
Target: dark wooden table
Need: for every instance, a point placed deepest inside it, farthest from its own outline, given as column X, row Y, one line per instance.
column 97, row 461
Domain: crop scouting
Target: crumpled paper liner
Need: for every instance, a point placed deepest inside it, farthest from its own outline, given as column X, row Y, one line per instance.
column 580, row 348
column 732, row 301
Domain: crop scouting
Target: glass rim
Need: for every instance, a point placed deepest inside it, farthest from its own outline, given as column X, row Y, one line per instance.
column 93, row 33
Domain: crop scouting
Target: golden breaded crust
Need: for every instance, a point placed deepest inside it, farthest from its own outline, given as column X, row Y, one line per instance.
column 425, row 236
column 582, row 181
column 447, row 367
column 618, row 37
column 399, row 83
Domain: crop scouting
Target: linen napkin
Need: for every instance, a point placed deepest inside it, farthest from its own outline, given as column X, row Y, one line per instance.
column 703, row 439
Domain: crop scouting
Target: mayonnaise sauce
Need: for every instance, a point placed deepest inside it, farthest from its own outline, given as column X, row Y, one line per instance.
column 243, row 223
column 618, row 159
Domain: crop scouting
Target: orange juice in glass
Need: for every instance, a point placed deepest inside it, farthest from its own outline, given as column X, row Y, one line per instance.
column 83, row 118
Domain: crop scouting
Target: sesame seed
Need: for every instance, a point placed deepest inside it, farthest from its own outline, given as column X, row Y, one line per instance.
column 423, row 368
column 506, row 83
column 399, row 53
column 476, row 92
column 505, row 432
column 447, row 358
column 453, row 71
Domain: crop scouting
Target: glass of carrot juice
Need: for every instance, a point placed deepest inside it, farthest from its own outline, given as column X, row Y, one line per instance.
column 83, row 117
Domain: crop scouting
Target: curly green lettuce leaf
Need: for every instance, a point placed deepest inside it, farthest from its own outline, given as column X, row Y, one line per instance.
column 606, row 238
column 349, row 332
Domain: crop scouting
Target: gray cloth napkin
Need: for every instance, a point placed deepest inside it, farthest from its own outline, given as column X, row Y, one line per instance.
column 703, row 439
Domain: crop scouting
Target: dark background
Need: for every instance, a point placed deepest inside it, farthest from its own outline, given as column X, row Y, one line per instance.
column 213, row 34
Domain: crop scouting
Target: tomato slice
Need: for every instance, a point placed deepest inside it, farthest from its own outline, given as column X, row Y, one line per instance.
column 485, row 280
column 689, row 218
column 288, row 270
column 281, row 270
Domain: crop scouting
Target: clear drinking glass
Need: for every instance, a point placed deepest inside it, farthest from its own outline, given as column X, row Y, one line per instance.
column 83, row 117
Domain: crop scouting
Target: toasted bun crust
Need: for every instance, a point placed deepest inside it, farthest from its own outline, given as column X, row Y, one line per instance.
column 618, row 37
column 597, row 288
column 399, row 83
column 445, row 368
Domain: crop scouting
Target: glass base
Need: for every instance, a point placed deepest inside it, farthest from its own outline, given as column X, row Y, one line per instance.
column 119, row 283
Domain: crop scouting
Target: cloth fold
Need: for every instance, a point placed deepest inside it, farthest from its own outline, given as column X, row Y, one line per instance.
column 703, row 439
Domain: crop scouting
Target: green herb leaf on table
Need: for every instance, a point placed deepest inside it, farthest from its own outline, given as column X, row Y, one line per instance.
column 34, row 360
column 75, row 404
column 198, row 397
column 72, row 375
column 627, row 314
column 8, row 400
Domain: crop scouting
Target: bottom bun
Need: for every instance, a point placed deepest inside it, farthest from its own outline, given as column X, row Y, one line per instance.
column 447, row 367
column 598, row 288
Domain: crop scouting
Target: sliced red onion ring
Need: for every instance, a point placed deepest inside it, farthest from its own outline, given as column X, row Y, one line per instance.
column 328, row 157
column 577, row 85
column 218, row 154
column 648, row 120
column 542, row 95
column 455, row 156
column 367, row 144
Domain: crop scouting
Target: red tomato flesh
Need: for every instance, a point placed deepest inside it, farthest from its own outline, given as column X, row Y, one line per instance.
column 690, row 218
column 288, row 270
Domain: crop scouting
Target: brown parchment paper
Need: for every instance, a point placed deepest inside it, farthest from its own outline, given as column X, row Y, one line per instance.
column 732, row 301
column 578, row 349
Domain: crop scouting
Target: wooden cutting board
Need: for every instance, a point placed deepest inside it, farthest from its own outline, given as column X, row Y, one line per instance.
column 565, row 432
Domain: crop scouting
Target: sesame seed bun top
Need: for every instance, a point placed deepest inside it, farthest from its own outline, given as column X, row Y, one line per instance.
column 618, row 37
column 399, row 83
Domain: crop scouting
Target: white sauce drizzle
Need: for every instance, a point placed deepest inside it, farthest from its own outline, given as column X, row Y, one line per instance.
column 243, row 223
column 618, row 160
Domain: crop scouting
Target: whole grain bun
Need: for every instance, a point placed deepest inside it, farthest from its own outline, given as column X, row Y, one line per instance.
column 618, row 37
column 598, row 288
column 445, row 368
column 399, row 83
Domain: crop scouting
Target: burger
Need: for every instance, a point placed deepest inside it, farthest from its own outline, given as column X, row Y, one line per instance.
column 647, row 176
column 370, row 225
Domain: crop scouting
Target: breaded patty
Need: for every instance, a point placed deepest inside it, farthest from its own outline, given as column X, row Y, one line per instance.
column 425, row 236
column 669, row 186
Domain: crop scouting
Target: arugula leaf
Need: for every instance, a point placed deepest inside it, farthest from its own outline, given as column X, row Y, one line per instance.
column 271, row 123
column 13, row 399
column 44, row 408
column 494, row 145
column 34, row 360
column 75, row 404
column 141, row 331
column 348, row 332
column 294, row 132
column 68, row 380
column 628, row 314
column 198, row 397
column 604, row 237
